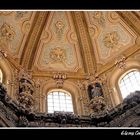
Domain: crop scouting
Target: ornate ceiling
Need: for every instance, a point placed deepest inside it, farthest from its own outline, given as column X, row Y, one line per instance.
column 14, row 29
column 75, row 42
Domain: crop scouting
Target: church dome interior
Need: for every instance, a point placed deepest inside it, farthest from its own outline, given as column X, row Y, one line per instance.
column 69, row 68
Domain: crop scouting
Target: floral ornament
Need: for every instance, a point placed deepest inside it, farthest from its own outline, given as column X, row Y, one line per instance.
column 58, row 54
column 6, row 32
column 99, row 17
column 111, row 39
column 59, row 28
column 59, row 24
column 121, row 63
column 20, row 14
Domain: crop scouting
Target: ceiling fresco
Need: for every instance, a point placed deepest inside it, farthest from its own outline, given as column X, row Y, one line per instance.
column 109, row 34
column 59, row 45
column 14, row 29
column 65, row 41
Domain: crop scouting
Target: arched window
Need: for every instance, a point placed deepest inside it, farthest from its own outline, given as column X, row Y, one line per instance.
column 130, row 83
column 1, row 75
column 59, row 100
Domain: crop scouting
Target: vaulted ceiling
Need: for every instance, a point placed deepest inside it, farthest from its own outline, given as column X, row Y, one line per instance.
column 75, row 42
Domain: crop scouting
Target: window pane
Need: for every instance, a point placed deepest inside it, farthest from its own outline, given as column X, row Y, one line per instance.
column 59, row 101
column 50, row 104
column 50, row 108
column 50, row 100
column 68, row 97
column 50, row 96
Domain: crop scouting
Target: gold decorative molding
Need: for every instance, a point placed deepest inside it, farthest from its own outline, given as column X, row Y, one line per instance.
column 99, row 17
column 28, row 55
column 59, row 78
column 6, row 33
column 130, row 19
column 5, row 13
column 111, row 39
column 120, row 63
column 84, row 42
column 127, row 53
column 58, row 54
column 58, row 45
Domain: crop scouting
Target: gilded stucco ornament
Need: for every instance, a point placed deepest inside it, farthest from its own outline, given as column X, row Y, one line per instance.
column 58, row 54
column 25, row 90
column 20, row 14
column 7, row 33
column 59, row 24
column 94, row 88
column 121, row 62
column 59, row 28
column 97, row 104
column 5, row 13
column 59, row 78
column 111, row 40
column 99, row 17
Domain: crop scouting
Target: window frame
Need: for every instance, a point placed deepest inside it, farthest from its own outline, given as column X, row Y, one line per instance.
column 59, row 91
column 122, row 77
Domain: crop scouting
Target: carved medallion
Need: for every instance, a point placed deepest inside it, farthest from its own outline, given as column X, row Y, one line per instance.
column 58, row 54
column 59, row 25
column 59, row 28
column 6, row 32
column 111, row 39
